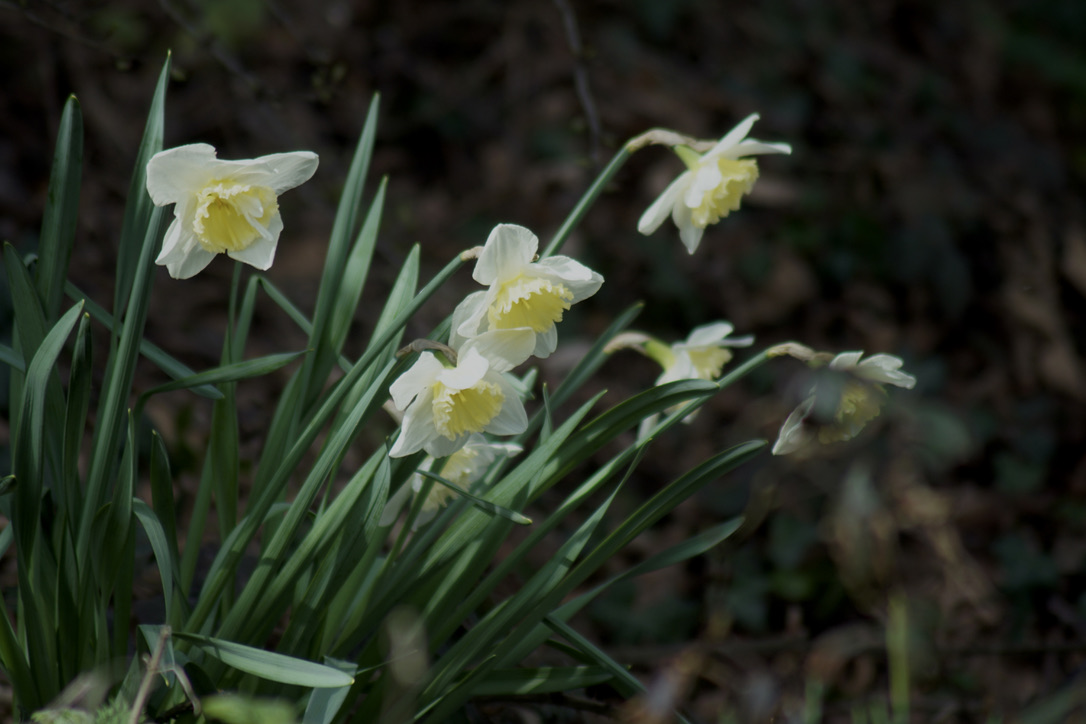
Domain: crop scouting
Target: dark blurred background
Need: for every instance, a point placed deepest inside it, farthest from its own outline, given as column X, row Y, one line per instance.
column 932, row 208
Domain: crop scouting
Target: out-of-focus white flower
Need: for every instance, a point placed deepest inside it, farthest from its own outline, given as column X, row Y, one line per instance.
column 463, row 468
column 522, row 293
column 222, row 207
column 855, row 398
column 701, row 356
column 444, row 404
column 712, row 186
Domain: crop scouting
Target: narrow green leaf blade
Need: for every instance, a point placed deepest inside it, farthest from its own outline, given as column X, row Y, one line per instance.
column 61, row 210
column 269, row 665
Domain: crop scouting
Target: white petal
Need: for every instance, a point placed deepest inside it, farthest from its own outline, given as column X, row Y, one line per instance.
column 709, row 334
column 278, row 171
column 179, row 172
column 504, row 349
column 417, row 428
column 575, row 276
column 885, row 368
column 261, row 253
column 656, row 213
column 181, row 253
column 508, row 249
column 420, row 377
column 793, row 436
column 750, row 147
column 546, row 342
column 846, row 361
column 707, row 178
column 440, row 446
column 470, row 368
column 467, row 319
column 512, row 419
column 733, row 136
column 690, row 234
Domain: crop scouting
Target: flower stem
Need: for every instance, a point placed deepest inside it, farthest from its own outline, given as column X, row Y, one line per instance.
column 586, row 201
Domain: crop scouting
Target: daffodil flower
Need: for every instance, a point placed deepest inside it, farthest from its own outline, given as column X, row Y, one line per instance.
column 855, row 397
column 444, row 403
column 522, row 293
column 701, row 356
column 222, row 207
column 463, row 468
column 712, row 186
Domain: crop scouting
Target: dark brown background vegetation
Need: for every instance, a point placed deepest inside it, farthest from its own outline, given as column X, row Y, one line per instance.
column 932, row 208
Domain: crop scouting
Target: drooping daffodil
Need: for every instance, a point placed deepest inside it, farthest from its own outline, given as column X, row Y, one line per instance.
column 840, row 405
column 712, row 186
column 701, row 356
column 463, row 468
column 222, row 207
column 522, row 293
column 445, row 401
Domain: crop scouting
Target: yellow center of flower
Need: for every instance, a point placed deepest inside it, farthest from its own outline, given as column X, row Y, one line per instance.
column 529, row 302
column 738, row 179
column 457, row 412
column 709, row 361
column 860, row 402
column 231, row 216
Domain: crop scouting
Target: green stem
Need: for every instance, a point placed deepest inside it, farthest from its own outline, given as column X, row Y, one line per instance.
column 586, row 201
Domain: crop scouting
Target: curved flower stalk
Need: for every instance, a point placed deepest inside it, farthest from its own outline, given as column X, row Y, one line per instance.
column 712, row 186
column 463, row 468
column 222, row 207
column 858, row 395
column 444, row 403
column 522, row 293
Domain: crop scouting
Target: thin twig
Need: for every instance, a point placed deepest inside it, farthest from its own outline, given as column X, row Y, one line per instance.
column 580, row 80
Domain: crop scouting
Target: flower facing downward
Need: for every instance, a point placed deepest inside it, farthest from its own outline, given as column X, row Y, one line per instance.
column 522, row 293
column 443, row 405
column 222, row 207
column 712, row 186
column 839, row 407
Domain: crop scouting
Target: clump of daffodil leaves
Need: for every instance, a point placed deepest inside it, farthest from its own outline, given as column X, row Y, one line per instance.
column 377, row 511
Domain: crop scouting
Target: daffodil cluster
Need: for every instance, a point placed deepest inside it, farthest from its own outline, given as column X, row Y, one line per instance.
column 447, row 399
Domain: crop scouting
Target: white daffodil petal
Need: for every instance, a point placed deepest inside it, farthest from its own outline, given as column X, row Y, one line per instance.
column 709, row 334
column 467, row 319
column 734, row 136
column 173, row 173
column 503, row 348
column 688, row 233
column 471, row 365
column 417, row 428
column 793, row 436
column 750, row 147
column 545, row 343
column 508, row 249
column 280, row 171
column 845, row 361
column 261, row 253
column 512, row 420
column 573, row 275
column 661, row 208
column 419, row 377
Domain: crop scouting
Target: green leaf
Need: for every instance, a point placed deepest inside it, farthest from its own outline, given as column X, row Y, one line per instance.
column 229, row 373
column 172, row 367
column 80, row 379
column 61, row 210
column 480, row 503
column 238, row 709
column 541, row 680
column 269, row 665
column 160, row 544
column 325, row 703
column 139, row 207
column 12, row 358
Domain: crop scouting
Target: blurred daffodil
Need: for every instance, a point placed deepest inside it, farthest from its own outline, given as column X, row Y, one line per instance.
column 222, row 207
column 522, row 293
column 712, row 186
column 444, row 402
column 463, row 468
column 840, row 405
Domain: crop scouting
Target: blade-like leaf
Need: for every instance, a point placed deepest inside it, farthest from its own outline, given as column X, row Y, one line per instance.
column 269, row 665
column 229, row 373
column 61, row 210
